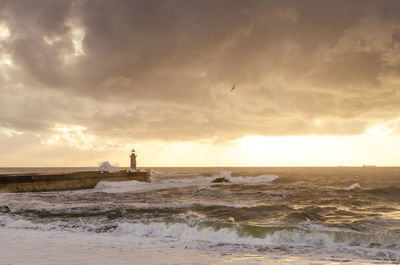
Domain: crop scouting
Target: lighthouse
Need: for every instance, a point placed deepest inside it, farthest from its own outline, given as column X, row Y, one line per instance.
column 133, row 160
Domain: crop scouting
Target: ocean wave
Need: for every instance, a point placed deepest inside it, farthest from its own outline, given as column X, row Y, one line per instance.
column 137, row 211
column 387, row 191
column 228, row 233
column 124, row 186
column 76, row 202
column 378, row 246
column 245, row 180
column 167, row 183
column 37, row 205
column 253, row 235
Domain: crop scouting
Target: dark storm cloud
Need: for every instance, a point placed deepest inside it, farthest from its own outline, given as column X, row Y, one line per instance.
column 163, row 69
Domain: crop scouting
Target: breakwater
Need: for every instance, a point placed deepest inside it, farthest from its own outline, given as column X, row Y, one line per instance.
column 35, row 182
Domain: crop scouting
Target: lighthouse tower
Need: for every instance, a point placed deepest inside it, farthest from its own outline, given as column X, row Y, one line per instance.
column 133, row 159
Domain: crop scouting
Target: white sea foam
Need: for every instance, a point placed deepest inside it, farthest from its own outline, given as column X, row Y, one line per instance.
column 184, row 232
column 354, row 186
column 253, row 180
column 122, row 186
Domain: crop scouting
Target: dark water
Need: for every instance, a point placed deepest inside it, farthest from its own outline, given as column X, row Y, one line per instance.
column 346, row 211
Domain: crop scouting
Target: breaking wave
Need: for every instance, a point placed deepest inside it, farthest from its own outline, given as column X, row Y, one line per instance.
column 254, row 235
column 167, row 183
column 382, row 246
column 245, row 180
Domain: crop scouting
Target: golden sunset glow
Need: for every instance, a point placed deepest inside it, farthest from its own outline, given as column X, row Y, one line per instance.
column 260, row 83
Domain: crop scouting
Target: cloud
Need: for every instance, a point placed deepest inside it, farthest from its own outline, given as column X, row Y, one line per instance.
column 157, row 70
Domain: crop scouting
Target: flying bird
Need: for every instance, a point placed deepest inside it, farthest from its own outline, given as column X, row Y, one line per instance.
column 233, row 87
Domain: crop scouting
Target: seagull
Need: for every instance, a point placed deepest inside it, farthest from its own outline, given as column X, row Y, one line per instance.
column 233, row 87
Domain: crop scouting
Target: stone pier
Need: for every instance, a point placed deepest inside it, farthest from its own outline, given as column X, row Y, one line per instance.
column 35, row 182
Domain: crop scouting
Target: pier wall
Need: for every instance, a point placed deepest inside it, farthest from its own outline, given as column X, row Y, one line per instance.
column 64, row 181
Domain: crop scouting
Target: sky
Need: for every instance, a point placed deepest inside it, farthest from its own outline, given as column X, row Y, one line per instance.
column 316, row 82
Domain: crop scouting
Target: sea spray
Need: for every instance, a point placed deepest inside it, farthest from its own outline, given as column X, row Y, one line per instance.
column 107, row 167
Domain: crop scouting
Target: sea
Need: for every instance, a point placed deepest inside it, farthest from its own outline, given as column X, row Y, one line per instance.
column 266, row 215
